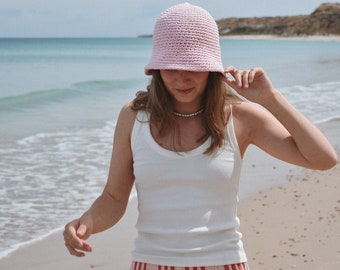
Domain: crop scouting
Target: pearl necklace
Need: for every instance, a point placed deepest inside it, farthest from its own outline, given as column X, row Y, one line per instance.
column 188, row 114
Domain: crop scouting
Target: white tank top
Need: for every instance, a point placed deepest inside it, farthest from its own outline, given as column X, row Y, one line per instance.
column 187, row 202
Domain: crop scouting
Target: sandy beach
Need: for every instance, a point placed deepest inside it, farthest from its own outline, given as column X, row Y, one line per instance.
column 275, row 37
column 295, row 226
column 291, row 226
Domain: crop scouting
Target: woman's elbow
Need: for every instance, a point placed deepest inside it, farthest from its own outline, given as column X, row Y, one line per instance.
column 327, row 162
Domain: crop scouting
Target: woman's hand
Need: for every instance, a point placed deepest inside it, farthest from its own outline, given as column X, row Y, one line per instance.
column 253, row 84
column 75, row 234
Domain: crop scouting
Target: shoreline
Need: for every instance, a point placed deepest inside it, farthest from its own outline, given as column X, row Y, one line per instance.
column 254, row 162
column 112, row 248
column 288, row 221
column 275, row 37
column 259, row 37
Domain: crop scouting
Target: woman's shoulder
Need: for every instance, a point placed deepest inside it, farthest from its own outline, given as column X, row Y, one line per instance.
column 248, row 111
column 127, row 116
column 128, row 111
column 249, row 116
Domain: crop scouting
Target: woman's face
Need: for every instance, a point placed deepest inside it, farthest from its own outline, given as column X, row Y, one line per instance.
column 186, row 88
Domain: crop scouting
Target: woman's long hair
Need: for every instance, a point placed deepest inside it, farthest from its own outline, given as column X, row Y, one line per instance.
column 158, row 102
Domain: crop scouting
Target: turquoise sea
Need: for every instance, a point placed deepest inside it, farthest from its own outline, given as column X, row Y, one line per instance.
column 60, row 98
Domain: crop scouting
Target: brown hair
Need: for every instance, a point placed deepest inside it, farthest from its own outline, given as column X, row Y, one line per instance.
column 157, row 101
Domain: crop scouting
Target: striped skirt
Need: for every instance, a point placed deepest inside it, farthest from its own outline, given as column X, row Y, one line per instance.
column 147, row 266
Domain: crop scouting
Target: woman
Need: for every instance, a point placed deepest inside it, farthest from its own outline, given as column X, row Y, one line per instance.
column 181, row 143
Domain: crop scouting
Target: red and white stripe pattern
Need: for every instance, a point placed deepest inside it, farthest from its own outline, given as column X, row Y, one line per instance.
column 147, row 266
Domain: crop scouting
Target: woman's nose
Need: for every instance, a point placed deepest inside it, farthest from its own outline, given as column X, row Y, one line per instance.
column 182, row 75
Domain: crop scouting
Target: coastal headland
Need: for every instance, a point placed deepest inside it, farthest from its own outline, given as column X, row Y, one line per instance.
column 324, row 21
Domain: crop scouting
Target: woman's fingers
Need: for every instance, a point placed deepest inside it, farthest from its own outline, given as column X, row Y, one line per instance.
column 245, row 78
column 242, row 78
column 251, row 76
column 73, row 237
column 239, row 77
column 74, row 252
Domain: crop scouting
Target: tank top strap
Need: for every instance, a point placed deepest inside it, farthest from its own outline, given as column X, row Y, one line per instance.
column 232, row 139
column 141, row 117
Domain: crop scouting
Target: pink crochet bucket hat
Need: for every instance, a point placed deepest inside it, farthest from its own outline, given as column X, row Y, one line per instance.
column 185, row 38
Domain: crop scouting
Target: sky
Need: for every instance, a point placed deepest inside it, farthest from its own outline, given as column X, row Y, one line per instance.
column 123, row 18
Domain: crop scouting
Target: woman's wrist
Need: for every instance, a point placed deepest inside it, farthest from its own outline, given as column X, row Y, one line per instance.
column 271, row 99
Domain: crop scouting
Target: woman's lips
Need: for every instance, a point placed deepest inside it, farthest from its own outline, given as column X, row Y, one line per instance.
column 184, row 91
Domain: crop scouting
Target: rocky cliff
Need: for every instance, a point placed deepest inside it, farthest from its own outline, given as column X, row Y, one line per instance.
column 325, row 20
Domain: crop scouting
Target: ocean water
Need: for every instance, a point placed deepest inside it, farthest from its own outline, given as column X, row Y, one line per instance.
column 60, row 98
